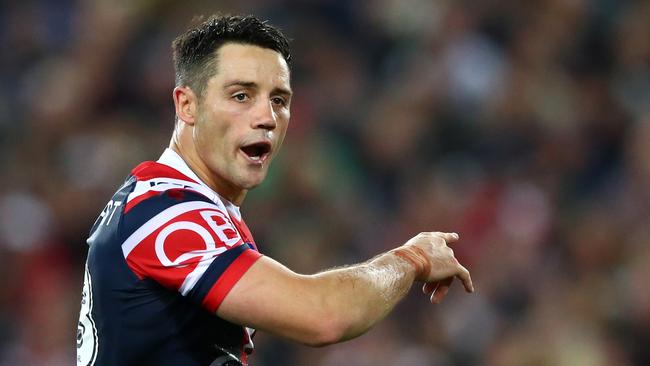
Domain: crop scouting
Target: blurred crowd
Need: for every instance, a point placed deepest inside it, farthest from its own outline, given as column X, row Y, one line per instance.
column 522, row 125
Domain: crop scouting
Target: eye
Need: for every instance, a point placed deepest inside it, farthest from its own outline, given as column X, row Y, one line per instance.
column 279, row 101
column 240, row 97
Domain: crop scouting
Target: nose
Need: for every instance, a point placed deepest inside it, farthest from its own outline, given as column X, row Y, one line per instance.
column 265, row 116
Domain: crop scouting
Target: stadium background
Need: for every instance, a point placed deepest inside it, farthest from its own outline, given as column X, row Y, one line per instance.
column 522, row 125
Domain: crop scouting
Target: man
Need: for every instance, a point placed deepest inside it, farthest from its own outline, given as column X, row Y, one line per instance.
column 173, row 275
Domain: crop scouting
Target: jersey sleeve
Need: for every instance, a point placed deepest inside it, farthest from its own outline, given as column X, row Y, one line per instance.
column 190, row 246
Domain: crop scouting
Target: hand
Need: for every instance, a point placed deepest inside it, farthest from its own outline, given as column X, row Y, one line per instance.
column 440, row 265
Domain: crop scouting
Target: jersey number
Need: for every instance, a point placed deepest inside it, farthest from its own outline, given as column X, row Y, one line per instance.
column 86, row 330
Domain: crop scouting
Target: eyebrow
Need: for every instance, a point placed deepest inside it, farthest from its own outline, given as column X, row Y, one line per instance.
column 252, row 84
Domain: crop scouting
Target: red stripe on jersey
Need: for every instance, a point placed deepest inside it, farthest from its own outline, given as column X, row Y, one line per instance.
column 132, row 203
column 229, row 278
column 243, row 357
column 151, row 169
column 175, row 193
column 244, row 231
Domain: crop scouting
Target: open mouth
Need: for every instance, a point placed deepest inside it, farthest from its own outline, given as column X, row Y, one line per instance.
column 257, row 152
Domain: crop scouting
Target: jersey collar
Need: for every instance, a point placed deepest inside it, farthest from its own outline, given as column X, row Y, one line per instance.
column 171, row 158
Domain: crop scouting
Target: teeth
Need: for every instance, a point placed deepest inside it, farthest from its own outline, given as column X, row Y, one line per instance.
column 256, row 158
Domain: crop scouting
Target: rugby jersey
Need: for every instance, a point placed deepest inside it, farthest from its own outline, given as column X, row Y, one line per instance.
column 163, row 254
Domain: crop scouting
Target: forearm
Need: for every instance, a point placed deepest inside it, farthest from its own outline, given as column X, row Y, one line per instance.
column 343, row 303
column 359, row 296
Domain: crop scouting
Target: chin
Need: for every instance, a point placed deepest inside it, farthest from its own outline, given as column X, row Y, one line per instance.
column 252, row 181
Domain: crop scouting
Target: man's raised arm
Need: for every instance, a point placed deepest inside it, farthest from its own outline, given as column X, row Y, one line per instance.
column 340, row 304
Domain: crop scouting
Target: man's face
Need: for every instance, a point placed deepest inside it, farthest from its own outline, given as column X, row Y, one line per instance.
column 243, row 115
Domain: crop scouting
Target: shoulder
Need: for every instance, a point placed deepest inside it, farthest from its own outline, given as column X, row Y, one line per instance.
column 162, row 195
column 155, row 180
column 169, row 218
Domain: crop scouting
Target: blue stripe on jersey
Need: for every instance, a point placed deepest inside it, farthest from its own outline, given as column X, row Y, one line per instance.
column 147, row 209
column 214, row 271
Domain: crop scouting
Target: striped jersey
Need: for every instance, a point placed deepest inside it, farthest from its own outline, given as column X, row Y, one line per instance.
column 163, row 254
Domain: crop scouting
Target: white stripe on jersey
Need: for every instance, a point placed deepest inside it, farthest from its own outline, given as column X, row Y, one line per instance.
column 161, row 184
column 198, row 272
column 160, row 219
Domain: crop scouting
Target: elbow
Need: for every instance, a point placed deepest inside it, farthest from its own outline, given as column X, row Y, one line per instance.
column 324, row 326
column 324, row 333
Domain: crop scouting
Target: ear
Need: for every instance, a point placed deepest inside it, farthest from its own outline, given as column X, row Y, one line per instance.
column 186, row 103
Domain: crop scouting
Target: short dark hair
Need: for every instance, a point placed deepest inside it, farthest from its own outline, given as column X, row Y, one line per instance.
column 195, row 50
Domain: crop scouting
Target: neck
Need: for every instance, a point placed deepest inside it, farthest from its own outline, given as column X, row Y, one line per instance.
column 226, row 190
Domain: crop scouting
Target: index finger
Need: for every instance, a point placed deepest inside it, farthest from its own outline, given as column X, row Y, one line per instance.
column 466, row 279
column 449, row 237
